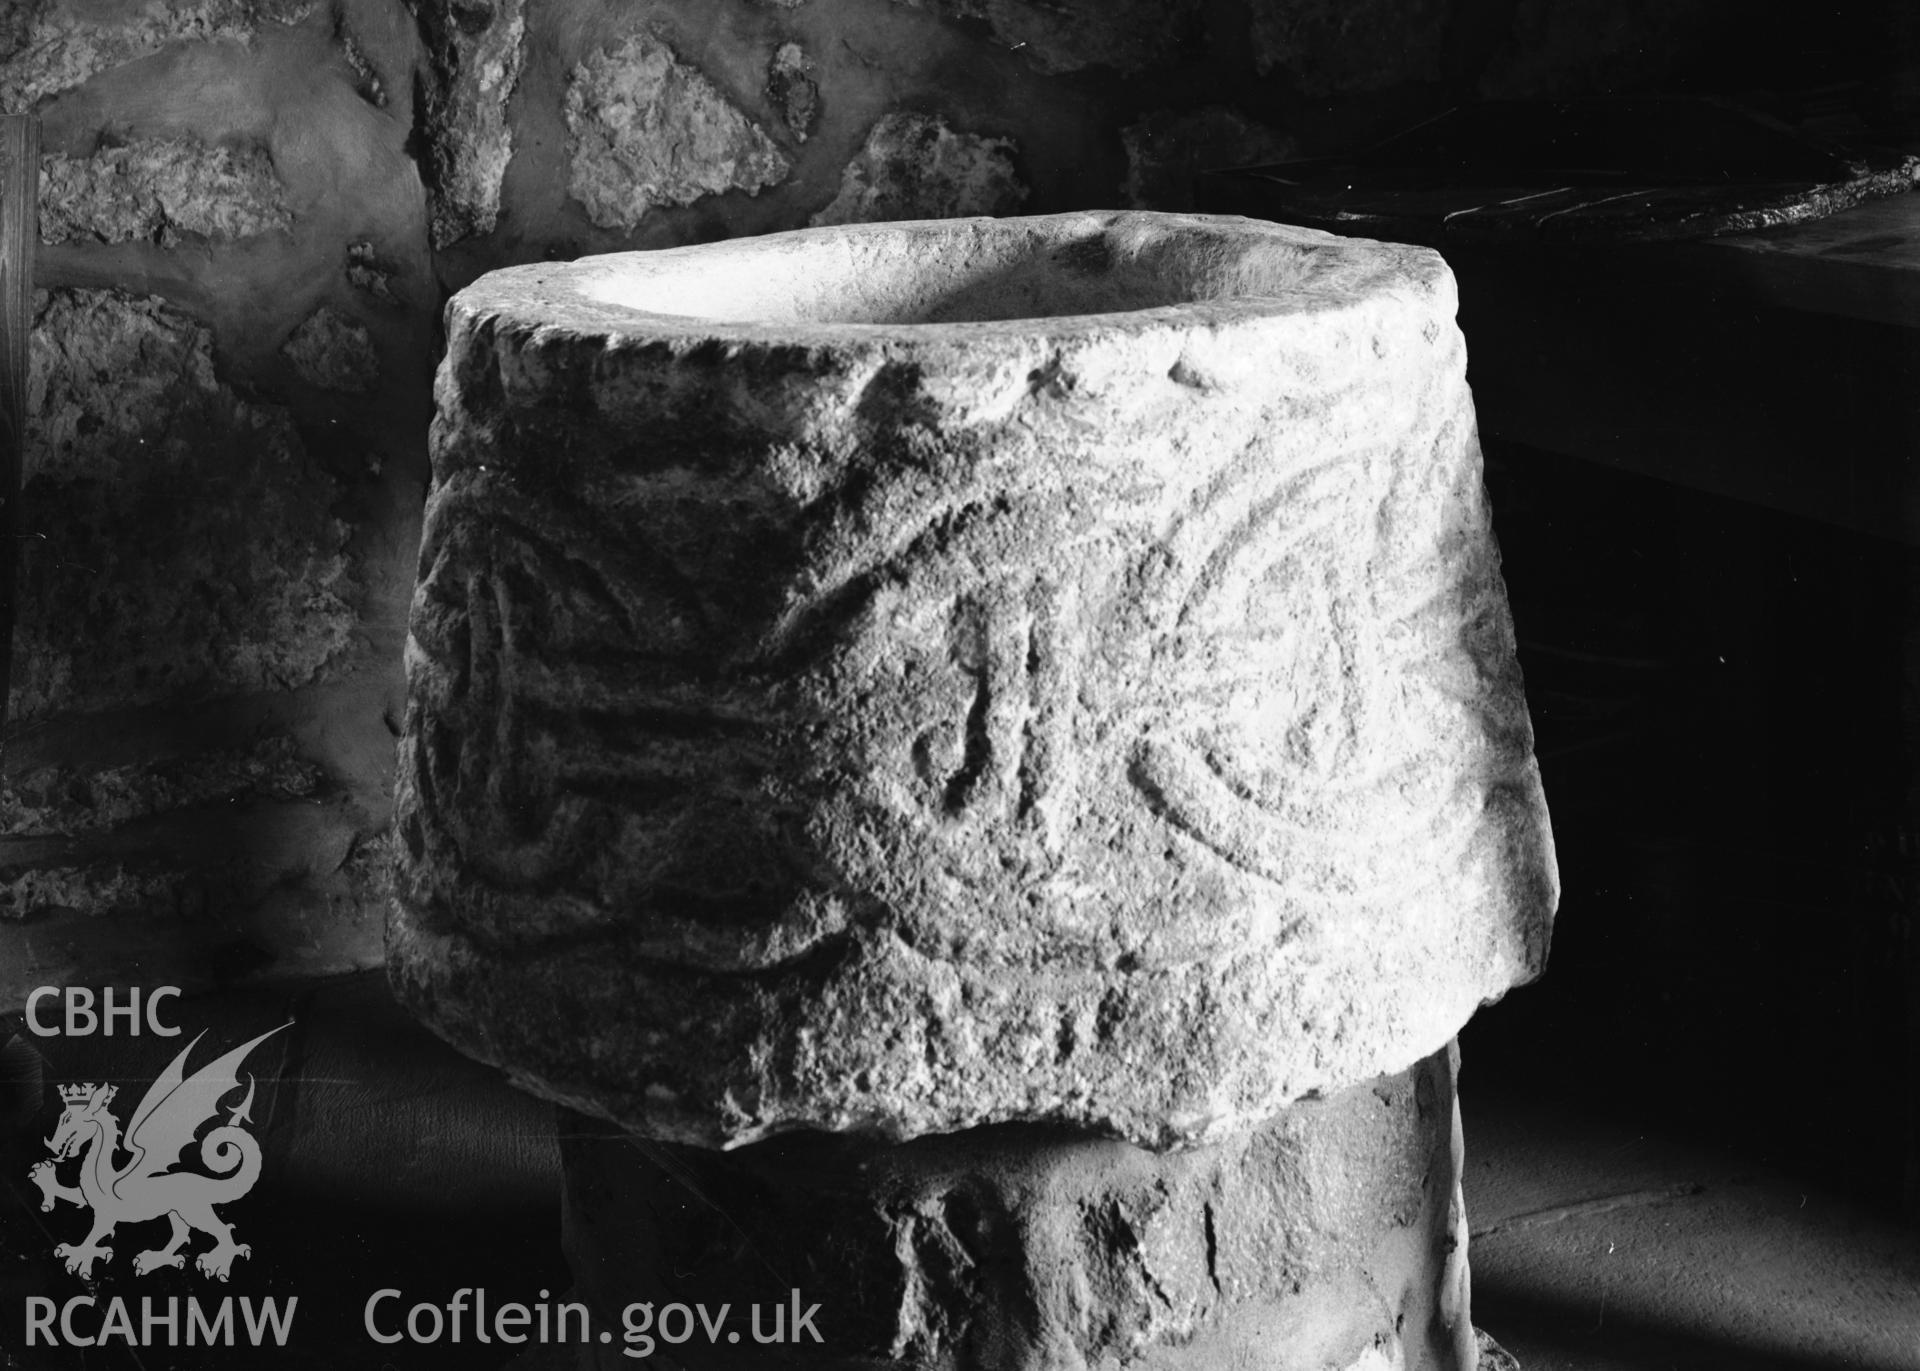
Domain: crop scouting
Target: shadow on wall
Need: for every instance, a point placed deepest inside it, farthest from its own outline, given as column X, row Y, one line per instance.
column 253, row 211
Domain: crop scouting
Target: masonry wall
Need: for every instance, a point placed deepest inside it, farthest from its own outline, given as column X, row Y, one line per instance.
column 252, row 213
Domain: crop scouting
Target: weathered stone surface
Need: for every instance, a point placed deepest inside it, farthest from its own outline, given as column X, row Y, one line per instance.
column 1068, row 35
column 177, row 540
column 275, row 890
column 791, row 88
column 333, row 352
column 1494, row 1357
column 181, row 558
column 158, row 189
column 915, row 167
column 1332, row 1236
column 47, row 46
column 103, row 888
column 474, row 55
column 915, row 676
column 646, row 130
column 1165, row 150
column 1332, row 47
column 58, row 800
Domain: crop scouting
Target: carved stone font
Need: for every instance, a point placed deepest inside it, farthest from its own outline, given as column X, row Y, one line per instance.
column 904, row 677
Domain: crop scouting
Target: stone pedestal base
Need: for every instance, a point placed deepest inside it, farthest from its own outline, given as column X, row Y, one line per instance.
column 1332, row 1236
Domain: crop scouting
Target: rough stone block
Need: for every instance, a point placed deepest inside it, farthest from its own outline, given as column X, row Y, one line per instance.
column 61, row 800
column 474, row 50
column 646, row 130
column 156, row 190
column 1332, row 1236
column 47, row 46
column 914, row 676
column 914, row 167
column 177, row 541
column 1492, row 1356
column 333, row 352
column 103, row 888
column 194, row 898
column 198, row 839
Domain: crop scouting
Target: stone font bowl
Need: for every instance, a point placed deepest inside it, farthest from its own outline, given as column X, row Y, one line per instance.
column 905, row 677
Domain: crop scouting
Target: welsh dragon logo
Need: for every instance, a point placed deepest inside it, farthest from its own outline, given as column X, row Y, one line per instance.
column 147, row 1187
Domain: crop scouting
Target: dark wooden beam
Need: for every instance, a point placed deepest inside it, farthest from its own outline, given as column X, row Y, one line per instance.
column 19, row 235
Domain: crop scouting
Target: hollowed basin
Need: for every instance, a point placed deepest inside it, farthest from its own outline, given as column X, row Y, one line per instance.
column 903, row 677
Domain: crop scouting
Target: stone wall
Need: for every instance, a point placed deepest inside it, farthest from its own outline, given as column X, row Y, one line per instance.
column 253, row 211
column 229, row 391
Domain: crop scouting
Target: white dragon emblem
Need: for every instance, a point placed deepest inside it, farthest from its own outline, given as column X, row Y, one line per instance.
column 147, row 1187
